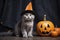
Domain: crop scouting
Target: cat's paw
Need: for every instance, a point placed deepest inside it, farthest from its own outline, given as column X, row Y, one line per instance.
column 17, row 35
column 30, row 35
column 25, row 36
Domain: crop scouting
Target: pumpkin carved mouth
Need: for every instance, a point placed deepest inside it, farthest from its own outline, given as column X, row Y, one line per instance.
column 45, row 32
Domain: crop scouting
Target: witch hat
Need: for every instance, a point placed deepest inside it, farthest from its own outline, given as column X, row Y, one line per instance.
column 28, row 9
column 29, row 6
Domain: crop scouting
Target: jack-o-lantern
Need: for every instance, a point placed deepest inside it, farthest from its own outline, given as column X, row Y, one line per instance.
column 44, row 27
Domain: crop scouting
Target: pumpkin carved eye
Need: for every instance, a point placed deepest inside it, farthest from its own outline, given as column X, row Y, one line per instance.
column 41, row 26
column 48, row 26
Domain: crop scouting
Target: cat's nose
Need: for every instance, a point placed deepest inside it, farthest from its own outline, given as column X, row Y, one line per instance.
column 28, row 17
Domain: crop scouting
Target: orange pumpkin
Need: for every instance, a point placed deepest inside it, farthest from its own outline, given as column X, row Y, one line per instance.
column 45, row 27
column 54, row 33
column 58, row 30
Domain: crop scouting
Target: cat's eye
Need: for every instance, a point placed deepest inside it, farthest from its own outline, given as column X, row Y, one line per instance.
column 30, row 14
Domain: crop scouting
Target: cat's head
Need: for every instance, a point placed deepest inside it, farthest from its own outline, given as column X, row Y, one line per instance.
column 28, row 15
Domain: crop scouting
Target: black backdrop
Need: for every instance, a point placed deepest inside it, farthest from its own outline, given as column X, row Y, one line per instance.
column 10, row 11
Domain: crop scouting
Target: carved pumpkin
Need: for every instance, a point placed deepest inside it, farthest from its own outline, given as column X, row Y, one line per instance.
column 45, row 27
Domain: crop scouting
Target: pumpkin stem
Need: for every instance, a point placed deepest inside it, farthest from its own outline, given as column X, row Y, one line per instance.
column 45, row 17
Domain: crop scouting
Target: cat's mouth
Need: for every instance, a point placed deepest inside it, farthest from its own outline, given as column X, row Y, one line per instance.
column 27, row 21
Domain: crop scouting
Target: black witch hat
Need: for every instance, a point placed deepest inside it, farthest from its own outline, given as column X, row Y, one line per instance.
column 28, row 9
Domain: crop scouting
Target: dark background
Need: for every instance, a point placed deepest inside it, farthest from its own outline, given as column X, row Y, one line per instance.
column 10, row 11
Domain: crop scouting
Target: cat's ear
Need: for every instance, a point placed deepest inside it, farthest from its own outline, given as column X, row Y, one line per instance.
column 33, row 16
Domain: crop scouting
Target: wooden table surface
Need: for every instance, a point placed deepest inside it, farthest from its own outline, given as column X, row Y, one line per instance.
column 34, row 38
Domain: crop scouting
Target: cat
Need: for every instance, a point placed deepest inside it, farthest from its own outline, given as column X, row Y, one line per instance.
column 27, row 23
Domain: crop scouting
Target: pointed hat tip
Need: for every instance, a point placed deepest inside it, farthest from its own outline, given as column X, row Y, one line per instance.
column 29, row 6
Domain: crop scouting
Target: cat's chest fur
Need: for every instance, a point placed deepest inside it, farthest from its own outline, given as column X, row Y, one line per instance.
column 28, row 23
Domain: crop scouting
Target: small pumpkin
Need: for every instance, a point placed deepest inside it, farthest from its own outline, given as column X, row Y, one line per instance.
column 58, row 30
column 54, row 33
column 44, row 27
